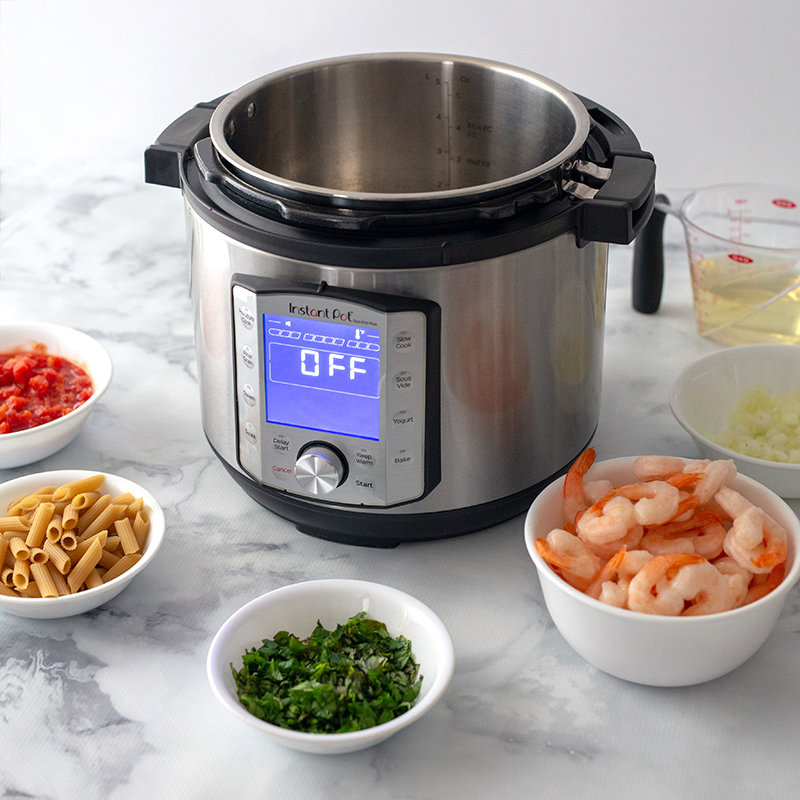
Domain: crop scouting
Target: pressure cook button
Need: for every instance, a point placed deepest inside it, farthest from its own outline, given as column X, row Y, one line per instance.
column 403, row 342
column 249, row 395
column 403, row 381
column 246, row 317
column 248, row 359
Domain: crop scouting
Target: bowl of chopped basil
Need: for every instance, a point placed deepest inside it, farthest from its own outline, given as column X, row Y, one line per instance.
column 331, row 666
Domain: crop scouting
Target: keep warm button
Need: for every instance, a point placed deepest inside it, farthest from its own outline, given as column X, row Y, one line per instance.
column 402, row 419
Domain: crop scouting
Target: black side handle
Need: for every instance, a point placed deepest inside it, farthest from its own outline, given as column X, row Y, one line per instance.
column 648, row 262
column 163, row 160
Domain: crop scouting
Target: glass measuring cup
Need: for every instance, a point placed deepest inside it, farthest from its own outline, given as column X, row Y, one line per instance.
column 743, row 242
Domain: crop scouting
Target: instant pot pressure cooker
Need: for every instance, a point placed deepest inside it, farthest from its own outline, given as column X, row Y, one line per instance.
column 398, row 271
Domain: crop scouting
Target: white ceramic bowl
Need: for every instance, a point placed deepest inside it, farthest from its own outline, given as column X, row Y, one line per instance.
column 649, row 649
column 34, row 444
column 706, row 391
column 69, row 605
column 297, row 608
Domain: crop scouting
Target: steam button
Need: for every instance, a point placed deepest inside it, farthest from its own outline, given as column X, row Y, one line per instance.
column 249, row 395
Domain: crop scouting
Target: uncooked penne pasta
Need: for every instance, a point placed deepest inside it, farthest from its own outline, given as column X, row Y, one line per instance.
column 58, row 557
column 19, row 549
column 3, row 549
column 68, row 540
column 69, row 490
column 77, row 554
column 93, row 579
column 7, row 591
column 141, row 526
column 58, row 580
column 123, row 565
column 91, row 514
column 44, row 580
column 83, row 500
column 31, row 590
column 7, row 576
column 69, row 517
column 39, row 522
column 135, row 507
column 17, row 524
column 127, row 537
column 124, row 499
column 81, row 570
column 38, row 556
column 21, row 576
column 54, row 529
column 104, row 520
column 108, row 559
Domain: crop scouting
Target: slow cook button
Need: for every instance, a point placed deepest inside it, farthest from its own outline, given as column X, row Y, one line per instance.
column 246, row 317
column 402, row 458
column 402, row 419
column 249, row 395
column 403, row 342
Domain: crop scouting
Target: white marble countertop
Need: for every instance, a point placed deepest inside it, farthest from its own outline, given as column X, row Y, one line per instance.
column 115, row 703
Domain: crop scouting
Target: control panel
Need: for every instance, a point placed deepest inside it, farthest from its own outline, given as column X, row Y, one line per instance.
column 337, row 391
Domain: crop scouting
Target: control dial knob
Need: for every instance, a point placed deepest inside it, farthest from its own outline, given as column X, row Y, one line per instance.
column 320, row 468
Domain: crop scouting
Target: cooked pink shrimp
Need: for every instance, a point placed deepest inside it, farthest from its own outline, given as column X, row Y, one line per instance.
column 762, row 585
column 595, row 490
column 655, row 502
column 715, row 476
column 607, row 574
column 576, row 563
column 705, row 588
column 574, row 498
column 651, row 588
column 755, row 543
column 608, row 520
column 739, row 578
column 612, row 582
column 646, row 468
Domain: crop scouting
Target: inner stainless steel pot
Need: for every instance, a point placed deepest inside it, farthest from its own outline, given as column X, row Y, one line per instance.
column 407, row 127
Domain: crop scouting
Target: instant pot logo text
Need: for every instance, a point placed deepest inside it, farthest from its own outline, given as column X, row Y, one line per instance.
column 335, row 314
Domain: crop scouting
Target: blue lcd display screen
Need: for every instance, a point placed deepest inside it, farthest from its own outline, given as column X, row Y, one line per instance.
column 323, row 376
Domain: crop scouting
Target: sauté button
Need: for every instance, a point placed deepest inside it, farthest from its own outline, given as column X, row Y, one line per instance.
column 250, row 433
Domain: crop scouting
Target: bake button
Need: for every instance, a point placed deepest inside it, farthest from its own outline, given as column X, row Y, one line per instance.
column 402, row 419
column 403, row 380
column 363, row 458
column 249, row 395
column 248, row 358
column 281, row 444
column 246, row 317
column 250, row 433
column 403, row 342
column 402, row 458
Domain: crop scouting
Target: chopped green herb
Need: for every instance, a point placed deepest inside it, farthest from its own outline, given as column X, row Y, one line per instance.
column 354, row 677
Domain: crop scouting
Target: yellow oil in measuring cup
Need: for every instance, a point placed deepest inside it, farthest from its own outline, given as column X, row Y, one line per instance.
column 744, row 251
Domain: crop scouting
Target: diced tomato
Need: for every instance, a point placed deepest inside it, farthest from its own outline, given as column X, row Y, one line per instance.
column 36, row 388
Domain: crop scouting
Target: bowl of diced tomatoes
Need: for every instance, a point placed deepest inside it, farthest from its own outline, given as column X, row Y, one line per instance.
column 51, row 377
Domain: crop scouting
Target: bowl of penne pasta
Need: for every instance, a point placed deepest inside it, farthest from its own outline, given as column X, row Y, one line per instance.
column 71, row 540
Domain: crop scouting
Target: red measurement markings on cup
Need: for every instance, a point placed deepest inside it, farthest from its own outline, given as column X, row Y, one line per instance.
column 782, row 202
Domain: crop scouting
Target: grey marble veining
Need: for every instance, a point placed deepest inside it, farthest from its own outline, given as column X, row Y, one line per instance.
column 115, row 703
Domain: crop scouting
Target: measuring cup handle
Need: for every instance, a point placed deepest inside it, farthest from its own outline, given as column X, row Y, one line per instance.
column 648, row 261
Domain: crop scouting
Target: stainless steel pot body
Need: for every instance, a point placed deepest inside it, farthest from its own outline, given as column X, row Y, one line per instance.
column 521, row 355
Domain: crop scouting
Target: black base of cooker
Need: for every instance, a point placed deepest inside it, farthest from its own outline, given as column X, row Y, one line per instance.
column 388, row 530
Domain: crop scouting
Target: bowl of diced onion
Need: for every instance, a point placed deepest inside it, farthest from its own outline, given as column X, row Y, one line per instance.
column 743, row 403
column 69, row 352
column 72, row 540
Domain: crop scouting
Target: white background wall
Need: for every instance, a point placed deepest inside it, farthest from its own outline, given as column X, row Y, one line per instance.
column 711, row 88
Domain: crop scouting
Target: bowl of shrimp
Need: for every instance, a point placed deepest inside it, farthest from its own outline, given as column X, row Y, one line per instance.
column 663, row 571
